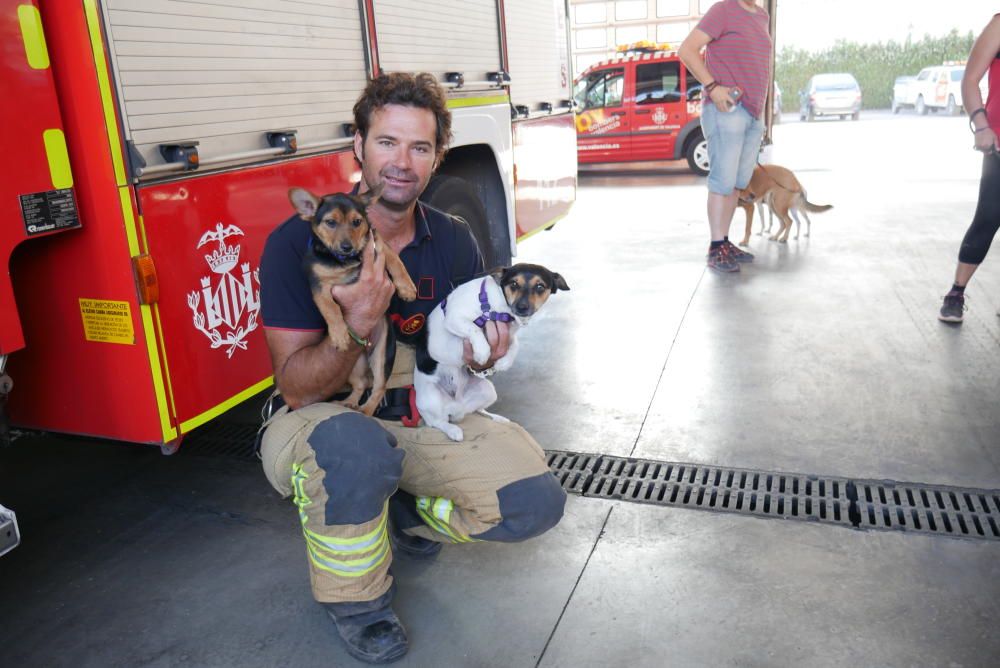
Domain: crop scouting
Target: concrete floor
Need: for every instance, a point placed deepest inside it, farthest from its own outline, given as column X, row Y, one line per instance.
column 823, row 357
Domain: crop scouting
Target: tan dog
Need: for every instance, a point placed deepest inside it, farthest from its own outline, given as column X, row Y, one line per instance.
column 782, row 191
column 340, row 234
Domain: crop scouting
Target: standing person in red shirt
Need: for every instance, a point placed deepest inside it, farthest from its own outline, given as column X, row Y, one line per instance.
column 985, row 125
column 735, row 73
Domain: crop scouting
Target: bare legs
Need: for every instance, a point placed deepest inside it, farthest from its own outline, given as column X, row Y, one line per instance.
column 720, row 214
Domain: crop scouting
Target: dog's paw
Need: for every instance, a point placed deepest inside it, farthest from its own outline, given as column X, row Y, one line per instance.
column 504, row 363
column 407, row 292
column 744, row 243
column 480, row 354
column 453, row 431
column 340, row 338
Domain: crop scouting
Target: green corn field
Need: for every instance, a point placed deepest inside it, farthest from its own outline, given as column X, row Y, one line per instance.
column 875, row 66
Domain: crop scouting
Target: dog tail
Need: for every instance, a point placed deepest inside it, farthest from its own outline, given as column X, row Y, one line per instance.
column 814, row 208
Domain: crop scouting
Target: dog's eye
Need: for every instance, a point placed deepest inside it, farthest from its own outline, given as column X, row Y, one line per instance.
column 357, row 222
column 540, row 288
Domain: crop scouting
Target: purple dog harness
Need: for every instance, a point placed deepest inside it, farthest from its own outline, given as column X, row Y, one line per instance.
column 484, row 304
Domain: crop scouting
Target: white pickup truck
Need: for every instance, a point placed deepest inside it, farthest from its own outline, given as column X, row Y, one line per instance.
column 934, row 88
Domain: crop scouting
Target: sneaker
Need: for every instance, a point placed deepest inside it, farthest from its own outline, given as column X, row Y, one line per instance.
column 953, row 308
column 720, row 260
column 738, row 253
column 374, row 636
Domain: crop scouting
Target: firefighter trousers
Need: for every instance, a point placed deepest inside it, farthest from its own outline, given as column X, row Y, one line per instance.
column 341, row 468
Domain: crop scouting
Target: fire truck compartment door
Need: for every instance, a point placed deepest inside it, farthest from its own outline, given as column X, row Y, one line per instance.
column 439, row 37
column 537, row 53
column 224, row 75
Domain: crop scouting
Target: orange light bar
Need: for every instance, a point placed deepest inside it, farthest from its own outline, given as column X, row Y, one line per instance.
column 146, row 283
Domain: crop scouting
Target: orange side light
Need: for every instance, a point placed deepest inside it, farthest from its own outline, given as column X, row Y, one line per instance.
column 146, row 282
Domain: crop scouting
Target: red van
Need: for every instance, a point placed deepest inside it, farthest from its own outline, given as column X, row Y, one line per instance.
column 641, row 105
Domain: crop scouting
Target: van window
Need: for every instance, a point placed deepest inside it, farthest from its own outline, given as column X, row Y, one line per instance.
column 924, row 75
column 658, row 82
column 956, row 75
column 601, row 89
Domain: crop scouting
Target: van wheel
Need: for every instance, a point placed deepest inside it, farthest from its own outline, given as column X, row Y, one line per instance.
column 810, row 114
column 856, row 115
column 951, row 108
column 458, row 198
column 920, row 107
column 696, row 152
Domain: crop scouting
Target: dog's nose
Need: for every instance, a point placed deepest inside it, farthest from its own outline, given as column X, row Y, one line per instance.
column 522, row 309
column 346, row 247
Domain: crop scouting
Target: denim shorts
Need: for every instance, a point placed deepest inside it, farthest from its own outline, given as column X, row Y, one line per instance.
column 733, row 145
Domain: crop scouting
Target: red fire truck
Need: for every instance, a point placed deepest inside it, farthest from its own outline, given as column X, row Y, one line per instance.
column 152, row 144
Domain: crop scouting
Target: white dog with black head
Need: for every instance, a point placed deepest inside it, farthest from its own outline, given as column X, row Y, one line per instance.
column 446, row 388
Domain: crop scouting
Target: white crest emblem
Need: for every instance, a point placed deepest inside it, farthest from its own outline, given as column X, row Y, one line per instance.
column 659, row 116
column 231, row 298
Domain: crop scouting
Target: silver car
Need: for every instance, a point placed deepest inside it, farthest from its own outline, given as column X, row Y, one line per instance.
column 830, row 95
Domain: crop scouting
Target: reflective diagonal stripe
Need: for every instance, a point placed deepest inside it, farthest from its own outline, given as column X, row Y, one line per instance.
column 436, row 513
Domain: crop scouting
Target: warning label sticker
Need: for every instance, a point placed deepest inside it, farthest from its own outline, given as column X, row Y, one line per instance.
column 107, row 321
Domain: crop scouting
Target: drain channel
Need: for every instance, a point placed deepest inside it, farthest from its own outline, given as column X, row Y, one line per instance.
column 853, row 503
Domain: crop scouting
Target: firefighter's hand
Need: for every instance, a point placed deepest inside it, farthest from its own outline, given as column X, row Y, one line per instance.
column 365, row 302
column 498, row 336
column 720, row 96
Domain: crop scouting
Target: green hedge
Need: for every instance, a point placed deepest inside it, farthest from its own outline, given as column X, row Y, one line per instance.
column 875, row 66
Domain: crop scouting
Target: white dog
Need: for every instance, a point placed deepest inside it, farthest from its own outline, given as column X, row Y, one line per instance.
column 446, row 389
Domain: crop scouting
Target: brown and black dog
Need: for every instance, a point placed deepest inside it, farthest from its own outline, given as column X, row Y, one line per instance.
column 778, row 187
column 340, row 235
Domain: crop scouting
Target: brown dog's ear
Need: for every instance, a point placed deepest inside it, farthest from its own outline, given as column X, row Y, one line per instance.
column 371, row 195
column 559, row 283
column 305, row 202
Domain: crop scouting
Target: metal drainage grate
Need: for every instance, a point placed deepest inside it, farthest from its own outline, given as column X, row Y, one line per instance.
column 225, row 439
column 952, row 511
column 863, row 504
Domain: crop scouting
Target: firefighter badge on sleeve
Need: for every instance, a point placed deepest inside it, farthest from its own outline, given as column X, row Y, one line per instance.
column 227, row 307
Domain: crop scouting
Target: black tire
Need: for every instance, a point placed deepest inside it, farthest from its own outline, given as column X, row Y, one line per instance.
column 895, row 107
column 810, row 114
column 920, row 106
column 696, row 152
column 458, row 198
column 856, row 115
column 952, row 107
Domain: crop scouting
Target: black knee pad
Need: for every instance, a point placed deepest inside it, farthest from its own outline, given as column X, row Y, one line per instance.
column 529, row 508
column 362, row 466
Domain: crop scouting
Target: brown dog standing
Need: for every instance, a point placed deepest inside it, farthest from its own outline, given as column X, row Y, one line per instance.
column 340, row 234
column 786, row 193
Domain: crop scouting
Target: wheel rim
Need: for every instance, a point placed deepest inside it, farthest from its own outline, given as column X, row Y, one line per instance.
column 701, row 155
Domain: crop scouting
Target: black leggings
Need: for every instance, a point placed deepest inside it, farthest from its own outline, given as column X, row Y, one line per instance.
column 986, row 222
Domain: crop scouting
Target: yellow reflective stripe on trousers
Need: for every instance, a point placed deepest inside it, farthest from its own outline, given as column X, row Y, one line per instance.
column 436, row 512
column 328, row 553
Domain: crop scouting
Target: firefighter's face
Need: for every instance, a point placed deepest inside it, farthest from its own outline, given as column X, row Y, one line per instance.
column 398, row 153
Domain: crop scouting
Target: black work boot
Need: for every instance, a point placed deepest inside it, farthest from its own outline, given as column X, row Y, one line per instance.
column 370, row 629
column 403, row 515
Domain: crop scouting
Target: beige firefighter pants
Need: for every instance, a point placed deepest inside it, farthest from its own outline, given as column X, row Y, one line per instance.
column 341, row 468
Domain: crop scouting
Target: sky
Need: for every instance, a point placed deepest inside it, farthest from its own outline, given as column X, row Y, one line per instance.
column 816, row 24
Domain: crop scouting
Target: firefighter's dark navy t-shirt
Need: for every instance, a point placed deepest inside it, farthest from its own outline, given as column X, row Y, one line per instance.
column 287, row 302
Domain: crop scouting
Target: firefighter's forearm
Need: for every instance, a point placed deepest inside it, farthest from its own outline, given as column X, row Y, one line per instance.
column 315, row 373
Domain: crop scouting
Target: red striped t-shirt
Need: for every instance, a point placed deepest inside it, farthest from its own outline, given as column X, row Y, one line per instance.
column 740, row 51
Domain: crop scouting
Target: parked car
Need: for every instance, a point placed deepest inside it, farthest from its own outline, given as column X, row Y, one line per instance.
column 642, row 105
column 900, row 92
column 832, row 94
column 776, row 110
column 934, row 89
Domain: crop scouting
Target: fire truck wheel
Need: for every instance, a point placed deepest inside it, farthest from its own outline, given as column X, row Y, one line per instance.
column 696, row 152
column 458, row 198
